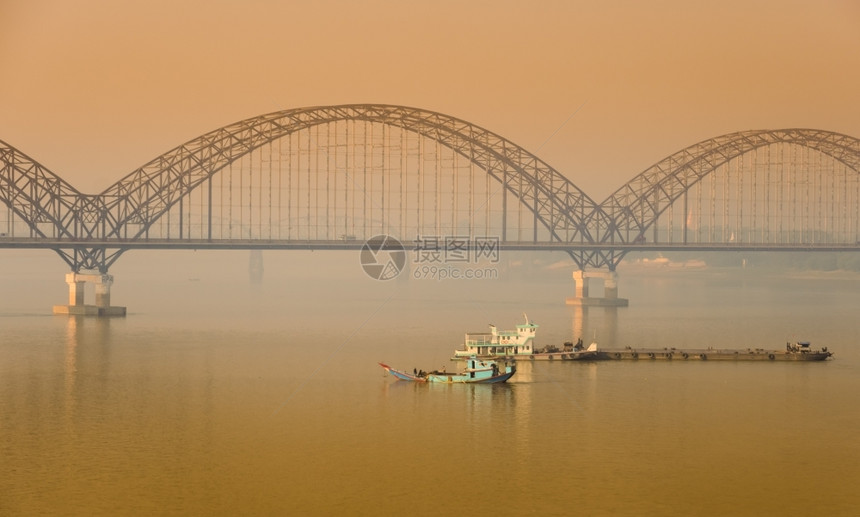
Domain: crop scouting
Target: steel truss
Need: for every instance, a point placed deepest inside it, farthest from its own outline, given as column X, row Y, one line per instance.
column 93, row 228
column 634, row 208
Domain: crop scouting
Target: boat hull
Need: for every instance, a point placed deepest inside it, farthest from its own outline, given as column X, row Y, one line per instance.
column 450, row 378
column 563, row 356
column 402, row 375
column 710, row 355
column 542, row 356
column 459, row 378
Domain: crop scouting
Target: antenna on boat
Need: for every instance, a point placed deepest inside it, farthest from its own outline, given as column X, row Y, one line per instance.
column 526, row 316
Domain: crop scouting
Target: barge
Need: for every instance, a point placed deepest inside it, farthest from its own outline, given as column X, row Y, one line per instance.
column 797, row 351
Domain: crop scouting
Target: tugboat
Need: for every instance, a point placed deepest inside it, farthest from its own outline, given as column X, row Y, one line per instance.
column 802, row 351
column 519, row 344
column 478, row 371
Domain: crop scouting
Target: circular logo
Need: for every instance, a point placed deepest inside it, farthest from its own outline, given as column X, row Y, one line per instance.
column 383, row 257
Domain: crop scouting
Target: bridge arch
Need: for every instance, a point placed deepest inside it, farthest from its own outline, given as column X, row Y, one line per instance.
column 793, row 157
column 785, row 204
column 38, row 197
column 136, row 202
column 49, row 208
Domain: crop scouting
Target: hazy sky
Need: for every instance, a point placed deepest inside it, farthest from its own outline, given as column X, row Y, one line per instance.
column 93, row 89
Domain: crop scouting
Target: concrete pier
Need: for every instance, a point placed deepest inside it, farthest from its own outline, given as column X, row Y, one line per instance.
column 610, row 289
column 77, row 306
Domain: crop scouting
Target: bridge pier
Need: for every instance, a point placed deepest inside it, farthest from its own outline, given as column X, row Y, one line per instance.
column 610, row 289
column 76, row 307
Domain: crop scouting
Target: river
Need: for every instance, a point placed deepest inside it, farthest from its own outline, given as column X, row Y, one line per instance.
column 216, row 397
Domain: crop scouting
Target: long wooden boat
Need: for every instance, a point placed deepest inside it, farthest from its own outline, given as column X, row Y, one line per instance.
column 477, row 371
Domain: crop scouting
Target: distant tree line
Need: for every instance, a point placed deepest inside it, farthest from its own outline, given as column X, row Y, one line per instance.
column 533, row 262
column 809, row 261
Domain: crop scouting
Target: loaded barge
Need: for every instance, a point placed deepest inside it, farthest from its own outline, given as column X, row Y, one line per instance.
column 798, row 351
column 519, row 344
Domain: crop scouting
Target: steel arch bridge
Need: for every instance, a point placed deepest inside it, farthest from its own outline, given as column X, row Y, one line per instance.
column 760, row 189
column 155, row 203
column 333, row 176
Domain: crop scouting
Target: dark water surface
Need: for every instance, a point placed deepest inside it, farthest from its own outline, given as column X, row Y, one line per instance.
column 216, row 398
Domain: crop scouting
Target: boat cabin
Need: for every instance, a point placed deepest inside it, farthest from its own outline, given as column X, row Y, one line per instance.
column 802, row 347
column 499, row 343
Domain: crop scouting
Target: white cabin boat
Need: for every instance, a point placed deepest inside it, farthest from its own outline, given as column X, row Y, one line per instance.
column 509, row 343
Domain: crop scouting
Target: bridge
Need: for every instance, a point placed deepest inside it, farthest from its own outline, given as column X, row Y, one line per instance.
column 331, row 177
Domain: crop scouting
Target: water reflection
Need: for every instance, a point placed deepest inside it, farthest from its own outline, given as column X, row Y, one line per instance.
column 578, row 314
column 97, row 403
column 160, row 416
column 610, row 325
column 70, row 369
column 600, row 325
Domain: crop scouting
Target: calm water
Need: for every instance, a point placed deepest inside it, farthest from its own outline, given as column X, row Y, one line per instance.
column 213, row 397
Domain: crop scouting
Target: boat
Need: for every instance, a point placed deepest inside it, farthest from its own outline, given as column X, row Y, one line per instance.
column 477, row 371
column 520, row 344
column 797, row 351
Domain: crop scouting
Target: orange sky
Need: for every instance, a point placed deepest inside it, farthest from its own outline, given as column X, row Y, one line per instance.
column 93, row 89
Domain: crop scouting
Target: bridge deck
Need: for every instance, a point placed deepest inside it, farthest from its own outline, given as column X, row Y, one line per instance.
column 250, row 244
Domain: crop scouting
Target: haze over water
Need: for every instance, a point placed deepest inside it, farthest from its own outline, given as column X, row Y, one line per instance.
column 223, row 398
column 214, row 397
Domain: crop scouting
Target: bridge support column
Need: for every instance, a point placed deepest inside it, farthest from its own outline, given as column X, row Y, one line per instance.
column 103, row 291
column 610, row 286
column 580, row 282
column 610, row 289
column 77, row 283
column 76, row 289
